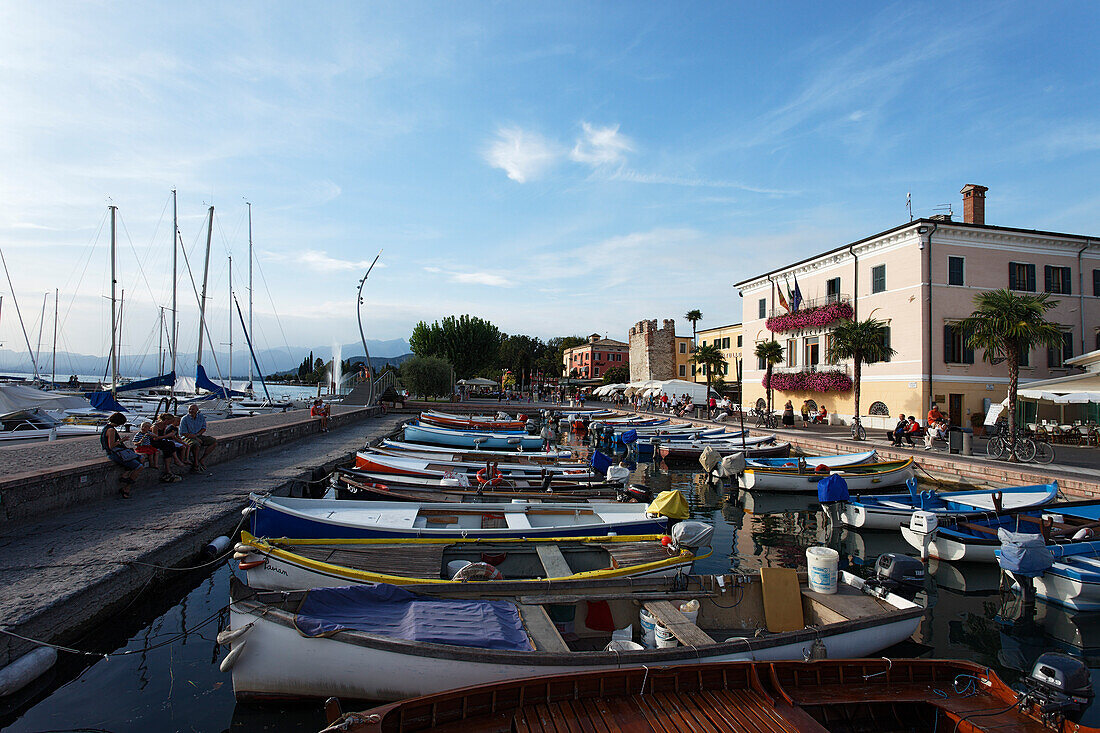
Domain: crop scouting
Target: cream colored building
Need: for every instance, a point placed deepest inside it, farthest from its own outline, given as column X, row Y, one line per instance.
column 920, row 278
column 728, row 340
column 683, row 347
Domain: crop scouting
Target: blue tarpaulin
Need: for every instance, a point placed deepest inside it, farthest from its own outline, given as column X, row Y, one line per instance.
column 832, row 488
column 387, row 610
column 105, row 401
column 1023, row 554
column 601, row 462
column 164, row 380
column 628, row 437
column 203, row 382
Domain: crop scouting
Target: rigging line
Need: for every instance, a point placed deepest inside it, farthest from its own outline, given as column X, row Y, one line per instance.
column 88, row 252
column 137, row 261
column 278, row 320
column 198, row 299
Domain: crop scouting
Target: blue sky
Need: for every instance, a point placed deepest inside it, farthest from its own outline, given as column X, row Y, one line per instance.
column 557, row 168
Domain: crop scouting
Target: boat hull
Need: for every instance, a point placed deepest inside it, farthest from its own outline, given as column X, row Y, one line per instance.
column 499, row 441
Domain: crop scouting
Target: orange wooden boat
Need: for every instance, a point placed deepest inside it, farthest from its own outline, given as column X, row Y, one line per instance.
column 881, row 695
column 453, row 421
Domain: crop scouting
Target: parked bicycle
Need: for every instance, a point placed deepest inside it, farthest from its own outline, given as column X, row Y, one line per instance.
column 858, row 432
column 765, row 419
column 1002, row 445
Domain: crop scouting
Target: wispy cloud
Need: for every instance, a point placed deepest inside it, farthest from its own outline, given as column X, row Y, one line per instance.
column 599, row 146
column 473, row 278
column 523, row 154
column 319, row 261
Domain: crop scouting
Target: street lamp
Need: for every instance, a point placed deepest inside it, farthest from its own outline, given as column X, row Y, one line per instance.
column 362, row 337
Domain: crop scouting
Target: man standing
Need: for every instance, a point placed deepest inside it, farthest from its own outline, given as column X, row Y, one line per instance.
column 193, row 432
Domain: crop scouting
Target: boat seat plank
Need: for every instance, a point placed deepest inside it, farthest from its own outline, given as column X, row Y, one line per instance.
column 517, row 520
column 782, row 602
column 553, row 561
column 636, row 553
column 684, row 630
column 541, row 629
column 848, row 602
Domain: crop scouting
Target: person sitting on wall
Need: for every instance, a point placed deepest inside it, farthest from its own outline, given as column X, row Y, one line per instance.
column 934, row 415
column 320, row 411
column 193, row 432
column 912, row 430
column 822, row 416
column 120, row 453
column 895, row 435
column 935, row 431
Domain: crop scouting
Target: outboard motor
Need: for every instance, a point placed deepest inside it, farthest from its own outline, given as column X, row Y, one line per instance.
column 691, row 535
column 897, row 573
column 532, row 427
column 637, row 492
column 924, row 524
column 1058, row 689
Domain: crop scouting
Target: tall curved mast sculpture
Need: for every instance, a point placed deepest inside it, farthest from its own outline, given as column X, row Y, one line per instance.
column 362, row 337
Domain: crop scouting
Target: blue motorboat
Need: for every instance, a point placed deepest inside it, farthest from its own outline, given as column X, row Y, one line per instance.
column 472, row 439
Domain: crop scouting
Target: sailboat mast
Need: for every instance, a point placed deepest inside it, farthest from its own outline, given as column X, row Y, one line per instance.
column 114, row 315
column 175, row 251
column 160, row 343
column 53, row 368
column 205, row 275
column 18, row 314
column 230, row 310
column 249, row 284
column 41, row 325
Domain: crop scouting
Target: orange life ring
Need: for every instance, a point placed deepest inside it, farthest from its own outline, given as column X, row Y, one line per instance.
column 494, row 480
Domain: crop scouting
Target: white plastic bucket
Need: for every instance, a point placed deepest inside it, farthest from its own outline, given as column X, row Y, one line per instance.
column 821, row 565
column 626, row 634
column 455, row 565
column 648, row 622
column 623, row 645
column 690, row 610
column 665, row 638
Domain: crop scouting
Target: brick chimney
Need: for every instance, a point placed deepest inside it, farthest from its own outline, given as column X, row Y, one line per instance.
column 973, row 203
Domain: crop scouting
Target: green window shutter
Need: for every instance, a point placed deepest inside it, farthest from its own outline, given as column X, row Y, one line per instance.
column 1067, row 346
column 1067, row 281
column 1012, row 284
column 1048, row 279
column 1031, row 278
column 948, row 345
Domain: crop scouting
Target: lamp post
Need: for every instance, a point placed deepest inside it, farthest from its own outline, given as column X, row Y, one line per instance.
column 741, row 406
column 362, row 337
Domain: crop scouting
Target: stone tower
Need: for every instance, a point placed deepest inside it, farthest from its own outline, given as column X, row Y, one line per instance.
column 653, row 350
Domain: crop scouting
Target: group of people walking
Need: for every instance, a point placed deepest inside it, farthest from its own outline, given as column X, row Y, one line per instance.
column 179, row 441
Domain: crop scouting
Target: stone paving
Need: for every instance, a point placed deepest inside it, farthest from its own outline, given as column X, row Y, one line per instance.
column 63, row 573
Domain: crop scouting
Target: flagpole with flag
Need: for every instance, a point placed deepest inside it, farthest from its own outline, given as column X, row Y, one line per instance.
column 796, row 297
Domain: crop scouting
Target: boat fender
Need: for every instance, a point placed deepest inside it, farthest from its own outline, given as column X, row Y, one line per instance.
column 228, row 636
column 821, row 468
column 217, row 546
column 26, row 669
column 1083, row 534
column 248, row 565
column 817, row 650
column 247, row 510
column 232, row 657
column 242, row 547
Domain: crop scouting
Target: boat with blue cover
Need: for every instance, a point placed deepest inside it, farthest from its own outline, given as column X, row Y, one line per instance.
column 1071, row 577
column 975, row 539
column 471, row 438
column 275, row 516
column 889, row 511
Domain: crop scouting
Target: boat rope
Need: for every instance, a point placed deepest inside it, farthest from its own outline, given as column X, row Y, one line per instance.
column 646, row 677
column 932, row 478
column 969, row 689
column 129, row 652
column 889, row 666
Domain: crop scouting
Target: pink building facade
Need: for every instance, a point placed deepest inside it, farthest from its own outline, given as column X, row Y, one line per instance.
column 593, row 359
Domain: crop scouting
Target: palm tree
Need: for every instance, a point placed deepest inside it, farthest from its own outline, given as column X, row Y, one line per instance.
column 772, row 353
column 1005, row 324
column 864, row 342
column 711, row 359
column 694, row 315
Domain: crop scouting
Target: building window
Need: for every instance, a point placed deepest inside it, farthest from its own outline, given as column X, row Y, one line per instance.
column 694, row 370
column 1095, row 276
column 878, row 278
column 703, row 342
column 955, row 350
column 597, row 371
column 763, row 308
column 812, row 351
column 832, row 288
column 1021, row 276
column 726, row 342
column 683, row 347
column 1024, row 357
column 828, row 348
column 1057, row 357
column 1057, row 280
column 956, row 270
column 761, row 364
column 1096, row 282
column 880, row 409
column 792, row 352
column 886, row 339
column 683, row 370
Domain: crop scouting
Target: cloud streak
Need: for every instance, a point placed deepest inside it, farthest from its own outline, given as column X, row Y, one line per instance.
column 522, row 154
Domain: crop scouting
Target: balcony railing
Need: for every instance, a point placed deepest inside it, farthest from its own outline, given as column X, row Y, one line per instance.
column 823, row 367
column 806, row 304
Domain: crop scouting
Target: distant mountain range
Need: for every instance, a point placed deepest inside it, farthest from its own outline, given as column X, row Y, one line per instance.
column 272, row 361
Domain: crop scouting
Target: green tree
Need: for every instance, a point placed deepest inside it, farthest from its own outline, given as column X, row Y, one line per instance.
column 864, row 342
column 1004, row 325
column 555, row 352
column 712, row 361
column 772, row 353
column 694, row 315
column 428, row 376
column 520, row 354
column 616, row 375
column 470, row 343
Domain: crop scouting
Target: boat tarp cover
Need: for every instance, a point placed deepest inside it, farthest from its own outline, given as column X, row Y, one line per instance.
column 601, row 462
column 1023, row 554
column 164, row 380
column 387, row 610
column 104, row 401
column 671, row 504
column 832, row 488
column 16, row 397
column 203, row 382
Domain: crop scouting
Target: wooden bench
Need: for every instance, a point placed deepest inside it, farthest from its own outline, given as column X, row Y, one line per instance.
column 686, row 632
column 553, row 561
column 541, row 629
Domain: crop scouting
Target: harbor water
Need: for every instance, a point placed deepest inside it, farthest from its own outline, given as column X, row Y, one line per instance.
column 163, row 670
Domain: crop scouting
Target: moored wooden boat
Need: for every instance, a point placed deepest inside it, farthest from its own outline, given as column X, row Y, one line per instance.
column 352, row 486
column 273, row 516
column 447, row 453
column 762, row 446
column 883, row 695
column 471, row 438
column 460, row 481
column 834, row 461
column 407, row 466
column 888, row 511
column 873, row 475
column 512, row 636
column 295, row 564
column 473, row 422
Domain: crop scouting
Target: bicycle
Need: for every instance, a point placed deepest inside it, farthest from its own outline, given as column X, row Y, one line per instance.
column 858, row 432
column 765, row 419
column 1026, row 448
